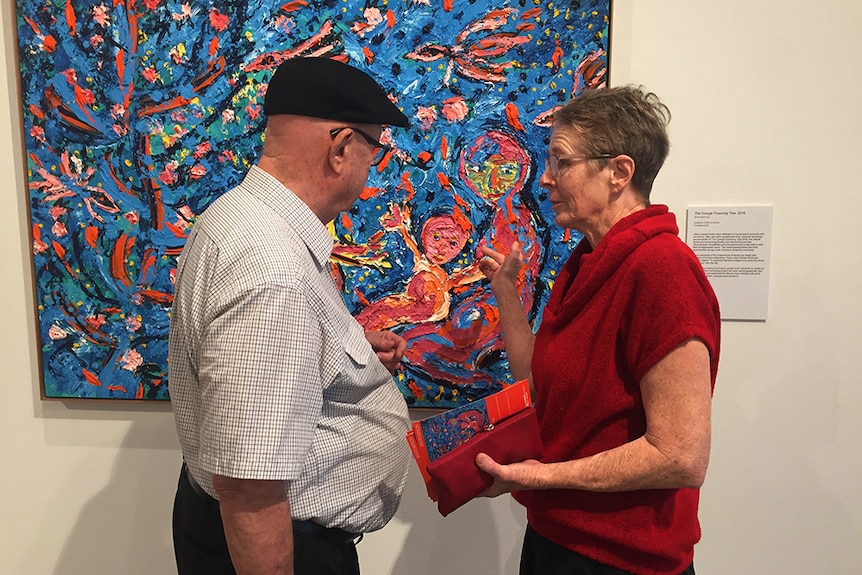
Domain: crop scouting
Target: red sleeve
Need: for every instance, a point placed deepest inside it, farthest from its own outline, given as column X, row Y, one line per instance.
column 671, row 302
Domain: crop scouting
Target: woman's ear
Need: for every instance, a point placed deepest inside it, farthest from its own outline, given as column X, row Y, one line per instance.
column 622, row 171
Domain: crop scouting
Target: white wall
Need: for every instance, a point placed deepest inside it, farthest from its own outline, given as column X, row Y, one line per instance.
column 765, row 97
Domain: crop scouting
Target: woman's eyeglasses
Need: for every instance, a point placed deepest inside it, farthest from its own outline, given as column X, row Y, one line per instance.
column 554, row 163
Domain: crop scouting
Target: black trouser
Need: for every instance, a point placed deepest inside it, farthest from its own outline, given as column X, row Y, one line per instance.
column 200, row 547
column 540, row 556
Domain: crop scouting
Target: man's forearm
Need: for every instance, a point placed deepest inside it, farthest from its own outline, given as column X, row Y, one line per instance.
column 257, row 525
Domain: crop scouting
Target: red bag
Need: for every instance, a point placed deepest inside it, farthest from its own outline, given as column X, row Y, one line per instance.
column 455, row 475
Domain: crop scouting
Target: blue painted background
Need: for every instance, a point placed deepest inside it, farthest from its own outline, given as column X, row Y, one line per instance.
column 138, row 113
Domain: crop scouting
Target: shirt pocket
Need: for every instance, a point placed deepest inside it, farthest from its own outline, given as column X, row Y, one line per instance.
column 356, row 347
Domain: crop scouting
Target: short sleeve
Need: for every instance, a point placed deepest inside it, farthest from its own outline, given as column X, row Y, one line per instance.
column 260, row 384
column 671, row 302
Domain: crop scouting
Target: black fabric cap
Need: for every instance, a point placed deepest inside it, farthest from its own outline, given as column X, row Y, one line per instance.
column 329, row 89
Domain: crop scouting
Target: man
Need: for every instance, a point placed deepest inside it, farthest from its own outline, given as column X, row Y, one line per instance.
column 291, row 428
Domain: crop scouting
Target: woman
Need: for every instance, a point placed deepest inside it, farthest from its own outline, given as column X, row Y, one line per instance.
column 624, row 361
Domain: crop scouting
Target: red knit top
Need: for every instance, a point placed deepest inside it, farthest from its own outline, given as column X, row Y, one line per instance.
column 612, row 315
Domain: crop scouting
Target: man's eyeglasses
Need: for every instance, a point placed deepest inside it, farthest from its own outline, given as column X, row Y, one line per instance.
column 380, row 149
column 553, row 162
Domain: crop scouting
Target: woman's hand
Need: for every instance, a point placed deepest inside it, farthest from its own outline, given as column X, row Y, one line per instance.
column 499, row 267
column 513, row 477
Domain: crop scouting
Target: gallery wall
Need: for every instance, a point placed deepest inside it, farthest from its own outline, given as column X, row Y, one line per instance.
column 765, row 102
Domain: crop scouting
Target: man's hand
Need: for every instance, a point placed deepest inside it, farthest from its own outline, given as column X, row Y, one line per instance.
column 389, row 348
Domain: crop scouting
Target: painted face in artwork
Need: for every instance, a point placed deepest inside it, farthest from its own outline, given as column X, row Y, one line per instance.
column 494, row 165
column 442, row 239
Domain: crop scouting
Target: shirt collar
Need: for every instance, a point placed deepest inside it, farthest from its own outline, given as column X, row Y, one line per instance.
column 293, row 210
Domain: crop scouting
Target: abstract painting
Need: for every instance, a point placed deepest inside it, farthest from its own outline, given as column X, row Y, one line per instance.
column 139, row 113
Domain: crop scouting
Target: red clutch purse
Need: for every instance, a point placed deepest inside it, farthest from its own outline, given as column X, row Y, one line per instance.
column 455, row 476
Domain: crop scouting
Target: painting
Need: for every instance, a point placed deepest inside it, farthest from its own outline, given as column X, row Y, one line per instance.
column 139, row 113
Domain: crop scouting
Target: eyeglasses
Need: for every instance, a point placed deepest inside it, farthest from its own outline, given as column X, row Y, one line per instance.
column 553, row 162
column 380, row 149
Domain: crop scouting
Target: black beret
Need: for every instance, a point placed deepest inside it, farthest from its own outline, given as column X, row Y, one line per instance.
column 329, row 89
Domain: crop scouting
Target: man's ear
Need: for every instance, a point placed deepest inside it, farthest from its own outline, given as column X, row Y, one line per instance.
column 338, row 151
column 622, row 171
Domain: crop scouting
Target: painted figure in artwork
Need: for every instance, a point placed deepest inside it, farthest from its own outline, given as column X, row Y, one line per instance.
column 455, row 353
column 427, row 296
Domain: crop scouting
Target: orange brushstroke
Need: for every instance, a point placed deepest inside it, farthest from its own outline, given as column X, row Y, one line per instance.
column 81, row 99
column 61, row 253
column 557, row 55
column 116, row 388
column 156, row 296
column 424, row 156
column 369, row 55
column 171, row 104
column 121, row 65
column 444, row 148
column 214, row 70
column 149, row 261
column 531, row 13
column 159, row 216
column 214, row 44
column 295, row 5
column 512, row 117
column 33, row 25
column 91, row 377
column 461, row 203
column 361, row 297
column 407, row 186
column 368, row 193
column 91, row 234
column 390, row 19
column 70, row 118
column 447, row 5
column 122, row 248
column 346, row 222
column 176, row 230
column 444, row 180
column 117, row 181
column 36, row 111
column 71, row 19
column 525, row 27
column 384, row 162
